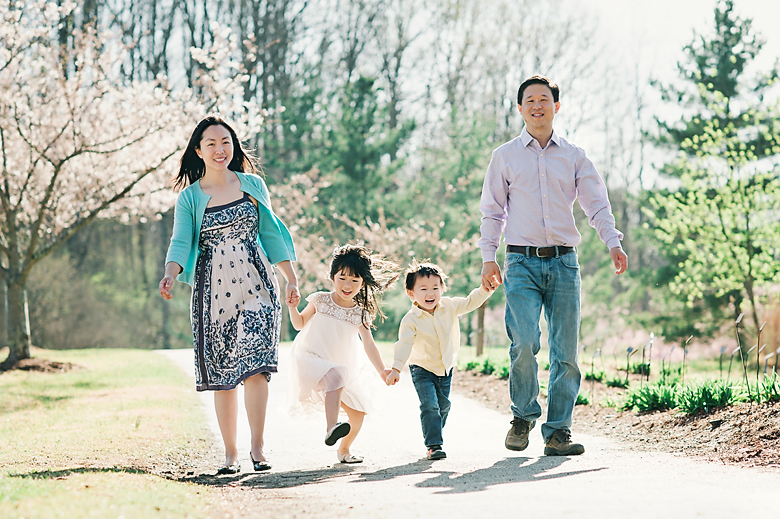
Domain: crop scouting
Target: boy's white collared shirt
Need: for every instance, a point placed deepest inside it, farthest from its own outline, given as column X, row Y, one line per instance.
column 432, row 341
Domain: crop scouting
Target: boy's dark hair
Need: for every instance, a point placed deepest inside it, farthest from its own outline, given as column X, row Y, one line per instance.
column 424, row 269
column 377, row 274
column 538, row 80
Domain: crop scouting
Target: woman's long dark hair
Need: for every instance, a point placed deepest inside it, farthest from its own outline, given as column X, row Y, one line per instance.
column 192, row 168
column 377, row 273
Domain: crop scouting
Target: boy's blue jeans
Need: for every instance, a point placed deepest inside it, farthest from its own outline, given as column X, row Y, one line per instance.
column 531, row 283
column 434, row 393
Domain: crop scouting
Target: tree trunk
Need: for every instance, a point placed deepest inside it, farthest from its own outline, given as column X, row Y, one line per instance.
column 164, row 229
column 481, row 329
column 4, row 315
column 469, row 329
column 19, row 329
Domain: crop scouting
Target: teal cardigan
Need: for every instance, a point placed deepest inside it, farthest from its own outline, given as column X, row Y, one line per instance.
column 272, row 235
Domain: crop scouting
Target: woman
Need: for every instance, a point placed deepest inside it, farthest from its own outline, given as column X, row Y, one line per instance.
column 225, row 237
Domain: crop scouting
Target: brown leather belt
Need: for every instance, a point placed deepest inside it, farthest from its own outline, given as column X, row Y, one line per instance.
column 540, row 252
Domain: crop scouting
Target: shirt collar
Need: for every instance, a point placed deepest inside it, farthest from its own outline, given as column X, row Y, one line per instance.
column 419, row 311
column 526, row 138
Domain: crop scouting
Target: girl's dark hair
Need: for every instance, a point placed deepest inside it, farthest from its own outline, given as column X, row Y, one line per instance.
column 192, row 168
column 378, row 274
column 424, row 269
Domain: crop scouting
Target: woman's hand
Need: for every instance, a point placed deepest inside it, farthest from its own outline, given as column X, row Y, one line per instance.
column 165, row 287
column 171, row 271
column 292, row 297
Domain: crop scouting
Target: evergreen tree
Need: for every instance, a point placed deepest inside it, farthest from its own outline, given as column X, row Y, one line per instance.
column 716, row 229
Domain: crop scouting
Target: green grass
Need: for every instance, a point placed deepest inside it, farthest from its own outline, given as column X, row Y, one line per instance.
column 707, row 395
column 582, row 399
column 651, row 397
column 89, row 443
column 618, row 381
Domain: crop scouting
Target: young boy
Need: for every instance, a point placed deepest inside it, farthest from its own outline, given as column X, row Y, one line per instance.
column 429, row 338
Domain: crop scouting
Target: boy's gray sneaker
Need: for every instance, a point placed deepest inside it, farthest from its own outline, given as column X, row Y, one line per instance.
column 517, row 437
column 560, row 444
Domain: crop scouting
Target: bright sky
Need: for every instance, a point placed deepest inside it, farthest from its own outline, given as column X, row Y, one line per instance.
column 655, row 31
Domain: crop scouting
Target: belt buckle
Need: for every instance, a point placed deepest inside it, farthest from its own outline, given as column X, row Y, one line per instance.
column 537, row 253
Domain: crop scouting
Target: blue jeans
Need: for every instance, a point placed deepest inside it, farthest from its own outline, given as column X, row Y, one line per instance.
column 531, row 283
column 434, row 393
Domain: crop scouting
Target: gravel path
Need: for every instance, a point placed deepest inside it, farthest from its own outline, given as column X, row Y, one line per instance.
column 479, row 478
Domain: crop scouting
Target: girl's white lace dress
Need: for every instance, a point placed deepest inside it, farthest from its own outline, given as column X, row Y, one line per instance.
column 328, row 354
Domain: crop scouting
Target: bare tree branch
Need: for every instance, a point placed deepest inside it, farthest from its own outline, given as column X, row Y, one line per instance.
column 79, row 224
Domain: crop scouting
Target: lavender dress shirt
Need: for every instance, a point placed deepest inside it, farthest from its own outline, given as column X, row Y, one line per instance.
column 529, row 195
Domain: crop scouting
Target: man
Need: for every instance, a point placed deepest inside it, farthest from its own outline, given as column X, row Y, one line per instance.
column 528, row 194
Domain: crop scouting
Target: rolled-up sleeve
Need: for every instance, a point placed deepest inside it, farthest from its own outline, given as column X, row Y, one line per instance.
column 592, row 195
column 493, row 208
column 403, row 348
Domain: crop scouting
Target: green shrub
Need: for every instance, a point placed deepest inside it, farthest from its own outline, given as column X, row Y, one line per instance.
column 472, row 365
column 596, row 376
column 640, row 369
column 707, row 395
column 619, row 382
column 582, row 399
column 768, row 390
column 488, row 367
column 503, row 372
column 609, row 401
column 651, row 397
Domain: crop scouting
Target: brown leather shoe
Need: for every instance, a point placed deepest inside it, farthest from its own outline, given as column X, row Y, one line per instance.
column 517, row 437
column 560, row 444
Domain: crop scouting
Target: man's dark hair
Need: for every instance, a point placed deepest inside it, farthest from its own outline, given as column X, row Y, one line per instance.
column 538, row 80
column 424, row 269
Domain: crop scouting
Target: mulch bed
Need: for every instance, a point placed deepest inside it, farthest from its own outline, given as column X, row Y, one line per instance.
column 40, row 365
column 747, row 435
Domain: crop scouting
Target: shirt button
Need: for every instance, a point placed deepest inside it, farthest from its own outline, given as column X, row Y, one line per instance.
column 547, row 216
column 545, row 196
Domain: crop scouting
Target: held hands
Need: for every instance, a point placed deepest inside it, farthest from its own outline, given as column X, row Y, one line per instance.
column 292, row 297
column 491, row 275
column 392, row 377
column 619, row 259
column 385, row 374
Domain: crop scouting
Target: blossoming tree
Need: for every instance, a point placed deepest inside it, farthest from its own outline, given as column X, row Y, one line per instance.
column 75, row 142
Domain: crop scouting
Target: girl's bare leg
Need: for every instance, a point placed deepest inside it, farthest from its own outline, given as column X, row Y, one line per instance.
column 256, row 402
column 332, row 401
column 356, row 422
column 226, row 405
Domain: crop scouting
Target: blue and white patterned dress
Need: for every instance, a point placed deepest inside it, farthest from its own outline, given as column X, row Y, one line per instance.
column 236, row 314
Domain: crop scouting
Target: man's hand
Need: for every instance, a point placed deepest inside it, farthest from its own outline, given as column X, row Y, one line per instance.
column 619, row 258
column 491, row 275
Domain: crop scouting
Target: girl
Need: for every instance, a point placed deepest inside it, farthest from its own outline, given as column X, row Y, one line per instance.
column 225, row 237
column 327, row 365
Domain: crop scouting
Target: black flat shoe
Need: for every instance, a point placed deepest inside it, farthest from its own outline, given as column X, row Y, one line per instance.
column 259, row 465
column 336, row 432
column 234, row 468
